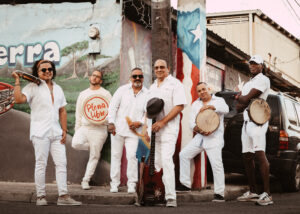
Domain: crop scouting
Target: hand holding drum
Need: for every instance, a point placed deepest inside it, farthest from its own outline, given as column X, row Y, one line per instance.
column 207, row 120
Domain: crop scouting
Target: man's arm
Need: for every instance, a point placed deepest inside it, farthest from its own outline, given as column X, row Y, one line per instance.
column 243, row 101
column 172, row 114
column 18, row 95
column 63, row 123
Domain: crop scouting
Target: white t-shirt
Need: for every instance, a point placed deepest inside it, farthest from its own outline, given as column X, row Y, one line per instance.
column 80, row 119
column 259, row 82
column 44, row 117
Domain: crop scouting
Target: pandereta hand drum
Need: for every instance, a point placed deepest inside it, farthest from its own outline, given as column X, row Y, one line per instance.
column 95, row 109
column 208, row 120
column 6, row 97
column 29, row 77
column 259, row 111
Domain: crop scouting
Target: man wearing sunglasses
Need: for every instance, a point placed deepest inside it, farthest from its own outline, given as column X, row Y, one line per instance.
column 88, row 135
column 172, row 92
column 128, row 101
column 48, row 128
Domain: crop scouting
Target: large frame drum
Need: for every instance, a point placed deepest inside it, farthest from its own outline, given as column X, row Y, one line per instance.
column 208, row 120
column 95, row 109
column 259, row 111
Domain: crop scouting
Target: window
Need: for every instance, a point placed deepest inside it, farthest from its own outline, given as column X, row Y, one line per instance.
column 290, row 111
column 298, row 110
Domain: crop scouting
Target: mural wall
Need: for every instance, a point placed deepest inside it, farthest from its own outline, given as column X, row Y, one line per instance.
column 56, row 32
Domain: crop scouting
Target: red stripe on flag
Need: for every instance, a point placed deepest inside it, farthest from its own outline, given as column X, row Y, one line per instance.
column 179, row 73
column 195, row 79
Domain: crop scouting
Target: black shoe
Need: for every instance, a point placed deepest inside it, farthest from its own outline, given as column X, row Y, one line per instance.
column 182, row 188
column 218, row 198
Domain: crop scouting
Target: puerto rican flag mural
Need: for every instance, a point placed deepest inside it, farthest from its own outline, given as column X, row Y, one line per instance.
column 191, row 63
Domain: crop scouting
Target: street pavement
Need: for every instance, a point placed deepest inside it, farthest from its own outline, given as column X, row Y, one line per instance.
column 25, row 192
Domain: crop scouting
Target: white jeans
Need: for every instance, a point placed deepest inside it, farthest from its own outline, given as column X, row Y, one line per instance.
column 117, row 143
column 90, row 138
column 164, row 151
column 42, row 146
column 215, row 158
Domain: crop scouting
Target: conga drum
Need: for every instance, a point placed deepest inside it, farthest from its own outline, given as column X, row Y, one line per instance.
column 6, row 97
column 259, row 111
column 208, row 120
column 29, row 77
column 95, row 109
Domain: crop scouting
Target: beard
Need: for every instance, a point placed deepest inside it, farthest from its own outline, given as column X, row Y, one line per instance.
column 137, row 84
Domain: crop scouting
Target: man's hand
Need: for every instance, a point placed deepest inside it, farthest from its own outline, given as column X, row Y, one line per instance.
column 135, row 125
column 207, row 107
column 157, row 126
column 197, row 130
column 64, row 137
column 16, row 76
column 111, row 129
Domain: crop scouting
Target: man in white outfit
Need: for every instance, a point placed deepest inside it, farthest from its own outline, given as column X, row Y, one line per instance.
column 212, row 143
column 128, row 101
column 48, row 128
column 88, row 135
column 166, row 127
column 254, row 136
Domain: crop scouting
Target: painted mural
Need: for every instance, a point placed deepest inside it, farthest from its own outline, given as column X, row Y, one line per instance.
column 59, row 32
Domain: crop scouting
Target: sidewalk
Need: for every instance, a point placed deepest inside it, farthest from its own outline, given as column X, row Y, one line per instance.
column 25, row 192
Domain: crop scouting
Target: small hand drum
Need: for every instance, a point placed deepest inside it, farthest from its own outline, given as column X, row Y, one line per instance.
column 259, row 111
column 95, row 108
column 208, row 120
column 6, row 97
column 29, row 77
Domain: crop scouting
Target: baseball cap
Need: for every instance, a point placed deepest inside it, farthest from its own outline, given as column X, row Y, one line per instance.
column 257, row 59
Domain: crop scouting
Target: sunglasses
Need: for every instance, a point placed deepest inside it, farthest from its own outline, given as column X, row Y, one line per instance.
column 141, row 76
column 161, row 67
column 45, row 69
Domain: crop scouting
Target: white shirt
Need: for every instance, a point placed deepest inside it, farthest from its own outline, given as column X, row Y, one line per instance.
column 80, row 119
column 216, row 138
column 125, row 103
column 44, row 117
column 172, row 92
column 259, row 82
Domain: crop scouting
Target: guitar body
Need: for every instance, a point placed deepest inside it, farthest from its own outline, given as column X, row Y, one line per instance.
column 153, row 188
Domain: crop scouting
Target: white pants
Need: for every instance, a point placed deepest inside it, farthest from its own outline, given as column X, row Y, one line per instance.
column 90, row 138
column 164, row 151
column 42, row 146
column 117, row 143
column 254, row 137
column 215, row 157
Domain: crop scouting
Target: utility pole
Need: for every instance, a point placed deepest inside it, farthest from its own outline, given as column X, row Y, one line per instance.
column 161, row 32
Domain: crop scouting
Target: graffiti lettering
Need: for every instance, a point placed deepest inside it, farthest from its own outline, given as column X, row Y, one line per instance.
column 30, row 52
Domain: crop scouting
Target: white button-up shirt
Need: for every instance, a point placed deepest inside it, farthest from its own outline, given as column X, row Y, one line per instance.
column 216, row 138
column 44, row 117
column 80, row 119
column 172, row 92
column 125, row 103
column 259, row 82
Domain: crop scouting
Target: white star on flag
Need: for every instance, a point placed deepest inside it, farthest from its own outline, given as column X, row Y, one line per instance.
column 197, row 33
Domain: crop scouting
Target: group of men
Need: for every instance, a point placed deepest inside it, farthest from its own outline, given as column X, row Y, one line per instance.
column 130, row 100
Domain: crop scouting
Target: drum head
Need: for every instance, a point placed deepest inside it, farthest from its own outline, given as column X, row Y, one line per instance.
column 208, row 120
column 95, row 109
column 6, row 97
column 259, row 111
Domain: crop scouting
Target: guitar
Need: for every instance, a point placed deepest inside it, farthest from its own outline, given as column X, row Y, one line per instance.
column 150, row 188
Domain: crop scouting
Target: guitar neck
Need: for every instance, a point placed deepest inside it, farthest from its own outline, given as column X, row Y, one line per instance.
column 152, row 151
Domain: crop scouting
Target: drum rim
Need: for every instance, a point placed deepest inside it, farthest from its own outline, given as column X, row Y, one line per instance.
column 219, row 121
column 87, row 100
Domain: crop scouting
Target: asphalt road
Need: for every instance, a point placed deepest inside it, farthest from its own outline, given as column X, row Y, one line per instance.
column 286, row 203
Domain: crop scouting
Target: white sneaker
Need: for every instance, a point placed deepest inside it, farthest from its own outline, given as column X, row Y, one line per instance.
column 41, row 201
column 68, row 201
column 264, row 199
column 248, row 196
column 85, row 185
column 171, row 203
column 113, row 189
column 131, row 189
